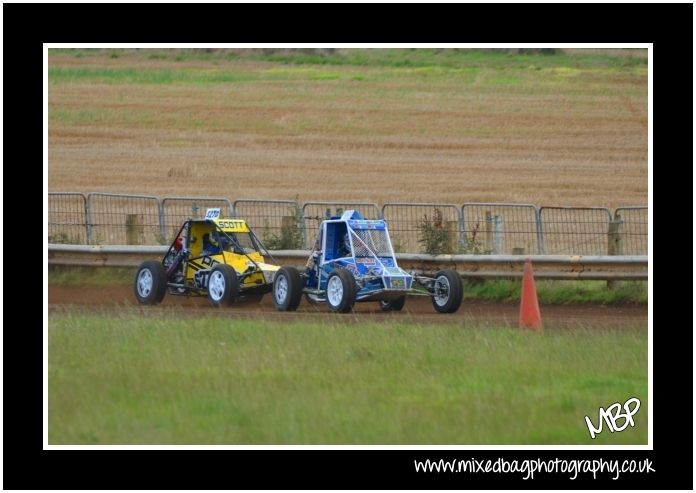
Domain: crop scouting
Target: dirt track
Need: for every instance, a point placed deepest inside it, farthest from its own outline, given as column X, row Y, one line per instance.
column 63, row 299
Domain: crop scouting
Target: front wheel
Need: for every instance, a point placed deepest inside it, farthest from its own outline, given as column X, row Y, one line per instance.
column 447, row 291
column 223, row 285
column 150, row 283
column 287, row 289
column 340, row 291
column 393, row 305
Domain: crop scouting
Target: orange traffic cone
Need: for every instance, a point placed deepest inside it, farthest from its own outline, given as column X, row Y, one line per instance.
column 530, row 316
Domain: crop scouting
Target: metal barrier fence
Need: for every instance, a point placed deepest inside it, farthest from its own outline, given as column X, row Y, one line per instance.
column 633, row 223
column 424, row 228
column 114, row 219
column 610, row 268
column 574, row 230
column 175, row 210
column 315, row 212
column 486, row 228
column 500, row 228
column 277, row 223
column 67, row 218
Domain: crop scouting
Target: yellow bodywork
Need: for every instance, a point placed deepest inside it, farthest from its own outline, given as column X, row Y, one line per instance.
column 240, row 263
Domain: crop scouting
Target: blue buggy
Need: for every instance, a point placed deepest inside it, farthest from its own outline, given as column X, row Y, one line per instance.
column 353, row 260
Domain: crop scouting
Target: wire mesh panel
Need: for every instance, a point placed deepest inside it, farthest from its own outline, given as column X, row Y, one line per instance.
column 500, row 228
column 313, row 213
column 371, row 242
column 124, row 219
column 176, row 210
column 67, row 218
column 634, row 229
column 277, row 223
column 423, row 228
column 574, row 230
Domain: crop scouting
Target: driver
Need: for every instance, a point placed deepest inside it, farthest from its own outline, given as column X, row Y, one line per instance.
column 344, row 250
column 210, row 244
column 222, row 239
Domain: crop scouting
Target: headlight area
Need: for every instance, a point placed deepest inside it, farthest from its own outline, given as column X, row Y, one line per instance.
column 269, row 275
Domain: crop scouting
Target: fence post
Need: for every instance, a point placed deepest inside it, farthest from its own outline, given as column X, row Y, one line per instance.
column 462, row 231
column 540, row 231
column 134, row 229
column 498, row 234
column 614, row 243
column 162, row 222
column 303, row 225
column 452, row 228
column 88, row 219
column 488, row 236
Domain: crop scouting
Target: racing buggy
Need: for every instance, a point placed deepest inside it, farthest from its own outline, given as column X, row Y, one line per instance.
column 353, row 260
column 217, row 257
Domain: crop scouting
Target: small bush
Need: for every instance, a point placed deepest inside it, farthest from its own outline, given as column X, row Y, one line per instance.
column 290, row 237
column 471, row 244
column 397, row 244
column 434, row 236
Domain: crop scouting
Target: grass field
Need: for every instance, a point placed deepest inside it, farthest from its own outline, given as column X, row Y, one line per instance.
column 162, row 380
column 374, row 125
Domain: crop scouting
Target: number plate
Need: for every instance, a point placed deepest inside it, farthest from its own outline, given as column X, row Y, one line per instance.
column 212, row 213
column 398, row 283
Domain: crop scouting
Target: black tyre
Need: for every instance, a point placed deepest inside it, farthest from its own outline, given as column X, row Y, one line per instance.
column 287, row 289
column 393, row 305
column 150, row 283
column 340, row 291
column 448, row 291
column 223, row 285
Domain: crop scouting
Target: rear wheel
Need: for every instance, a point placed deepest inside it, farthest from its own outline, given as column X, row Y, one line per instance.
column 150, row 283
column 448, row 291
column 340, row 291
column 393, row 305
column 223, row 285
column 287, row 289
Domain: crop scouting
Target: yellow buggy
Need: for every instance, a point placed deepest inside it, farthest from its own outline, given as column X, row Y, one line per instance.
column 216, row 257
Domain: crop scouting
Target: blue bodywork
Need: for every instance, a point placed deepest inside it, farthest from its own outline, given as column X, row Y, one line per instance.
column 370, row 258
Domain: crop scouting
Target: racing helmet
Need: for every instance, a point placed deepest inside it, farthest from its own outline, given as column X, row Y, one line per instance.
column 221, row 240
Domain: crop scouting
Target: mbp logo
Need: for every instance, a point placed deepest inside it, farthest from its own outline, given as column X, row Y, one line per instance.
column 613, row 414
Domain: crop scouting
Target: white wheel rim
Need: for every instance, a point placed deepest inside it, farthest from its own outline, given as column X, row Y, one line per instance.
column 144, row 282
column 441, row 300
column 216, row 285
column 334, row 291
column 281, row 289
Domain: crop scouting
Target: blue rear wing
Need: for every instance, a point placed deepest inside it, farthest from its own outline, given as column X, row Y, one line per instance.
column 349, row 214
column 376, row 224
column 356, row 221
